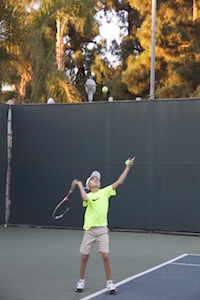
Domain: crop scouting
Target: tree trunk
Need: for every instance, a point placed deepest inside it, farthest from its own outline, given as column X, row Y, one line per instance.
column 195, row 10
column 60, row 47
column 25, row 77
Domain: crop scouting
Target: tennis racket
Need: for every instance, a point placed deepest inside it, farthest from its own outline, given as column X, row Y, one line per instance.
column 63, row 206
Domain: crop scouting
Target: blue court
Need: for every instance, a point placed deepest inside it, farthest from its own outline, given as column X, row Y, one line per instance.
column 176, row 279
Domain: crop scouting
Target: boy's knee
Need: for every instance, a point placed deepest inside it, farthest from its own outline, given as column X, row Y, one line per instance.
column 106, row 257
column 84, row 258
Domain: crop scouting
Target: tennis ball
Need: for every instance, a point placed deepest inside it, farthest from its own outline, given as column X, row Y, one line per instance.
column 127, row 162
column 104, row 89
column 5, row 225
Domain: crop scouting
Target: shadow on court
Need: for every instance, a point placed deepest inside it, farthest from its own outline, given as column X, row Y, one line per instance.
column 43, row 264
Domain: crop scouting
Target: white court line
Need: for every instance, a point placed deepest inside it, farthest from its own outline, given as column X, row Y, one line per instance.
column 188, row 264
column 135, row 276
column 192, row 254
column 185, row 264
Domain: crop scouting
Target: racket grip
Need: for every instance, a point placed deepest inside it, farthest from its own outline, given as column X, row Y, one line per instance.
column 71, row 190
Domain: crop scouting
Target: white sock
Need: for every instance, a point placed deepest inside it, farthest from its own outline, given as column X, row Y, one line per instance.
column 109, row 281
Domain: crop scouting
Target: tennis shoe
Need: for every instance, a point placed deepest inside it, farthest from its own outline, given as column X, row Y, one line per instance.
column 111, row 287
column 80, row 285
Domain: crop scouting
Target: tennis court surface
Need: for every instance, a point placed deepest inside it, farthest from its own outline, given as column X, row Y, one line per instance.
column 176, row 279
column 43, row 264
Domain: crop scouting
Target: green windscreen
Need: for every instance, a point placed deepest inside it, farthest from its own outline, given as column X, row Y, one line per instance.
column 53, row 144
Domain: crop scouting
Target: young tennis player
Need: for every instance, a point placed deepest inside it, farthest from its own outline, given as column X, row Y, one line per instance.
column 95, row 221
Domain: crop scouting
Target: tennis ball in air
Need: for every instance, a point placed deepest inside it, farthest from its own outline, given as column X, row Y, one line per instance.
column 5, row 225
column 127, row 162
column 104, row 89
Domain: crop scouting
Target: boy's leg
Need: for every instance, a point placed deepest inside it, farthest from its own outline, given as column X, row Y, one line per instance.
column 85, row 248
column 81, row 283
column 107, row 265
column 84, row 260
column 86, row 245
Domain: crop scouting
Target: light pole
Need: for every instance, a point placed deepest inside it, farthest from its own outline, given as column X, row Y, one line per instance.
column 153, row 43
column 90, row 88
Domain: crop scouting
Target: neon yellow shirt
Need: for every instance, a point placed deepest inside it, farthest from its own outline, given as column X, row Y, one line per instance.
column 97, row 207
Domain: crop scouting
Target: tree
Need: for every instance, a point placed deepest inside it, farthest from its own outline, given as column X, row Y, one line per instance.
column 34, row 40
column 129, row 21
column 177, row 51
column 10, row 25
column 53, row 50
column 195, row 10
column 80, row 49
column 55, row 76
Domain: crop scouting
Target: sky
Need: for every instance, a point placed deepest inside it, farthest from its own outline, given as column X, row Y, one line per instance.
column 109, row 29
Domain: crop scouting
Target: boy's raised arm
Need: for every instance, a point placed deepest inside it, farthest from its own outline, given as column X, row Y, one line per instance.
column 83, row 193
column 122, row 177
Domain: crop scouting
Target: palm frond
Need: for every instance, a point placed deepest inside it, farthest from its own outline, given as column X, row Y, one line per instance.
column 66, row 88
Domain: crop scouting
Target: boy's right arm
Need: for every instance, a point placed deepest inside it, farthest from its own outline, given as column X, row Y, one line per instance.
column 83, row 193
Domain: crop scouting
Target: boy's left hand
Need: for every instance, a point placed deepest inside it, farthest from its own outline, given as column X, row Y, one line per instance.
column 130, row 161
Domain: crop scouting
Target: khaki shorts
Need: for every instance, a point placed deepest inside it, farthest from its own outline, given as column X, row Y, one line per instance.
column 99, row 234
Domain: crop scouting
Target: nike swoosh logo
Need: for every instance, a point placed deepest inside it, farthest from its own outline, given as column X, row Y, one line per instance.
column 95, row 199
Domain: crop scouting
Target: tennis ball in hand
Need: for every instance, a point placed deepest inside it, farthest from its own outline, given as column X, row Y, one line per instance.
column 104, row 89
column 127, row 162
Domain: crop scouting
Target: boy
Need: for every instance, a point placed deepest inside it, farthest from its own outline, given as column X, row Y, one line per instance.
column 95, row 221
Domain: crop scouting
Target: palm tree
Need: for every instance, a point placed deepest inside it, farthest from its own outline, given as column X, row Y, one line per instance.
column 33, row 49
column 53, row 76
column 60, row 46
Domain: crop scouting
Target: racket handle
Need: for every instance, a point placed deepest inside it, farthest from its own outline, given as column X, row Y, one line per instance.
column 71, row 190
